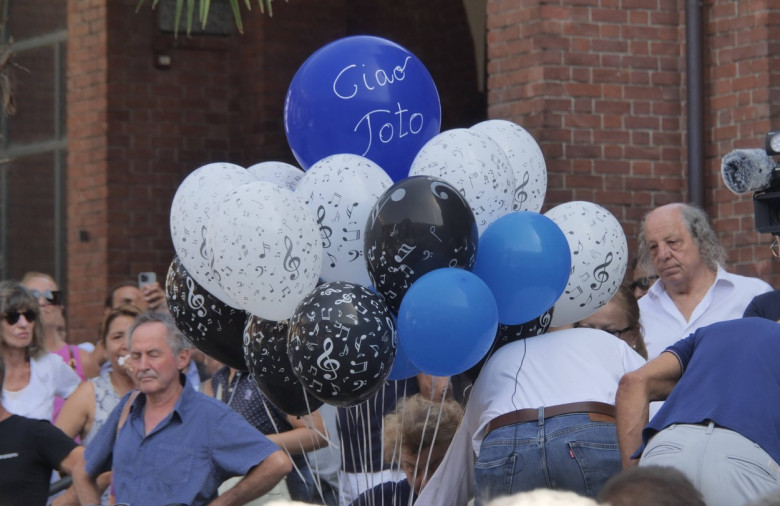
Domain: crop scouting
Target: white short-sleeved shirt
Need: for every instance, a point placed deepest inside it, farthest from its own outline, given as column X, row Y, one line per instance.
column 727, row 298
column 572, row 365
column 49, row 377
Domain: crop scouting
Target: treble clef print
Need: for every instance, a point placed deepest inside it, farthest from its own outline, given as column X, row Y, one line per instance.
column 544, row 320
column 326, row 363
column 203, row 252
column 600, row 273
column 325, row 231
column 196, row 301
column 520, row 194
column 291, row 263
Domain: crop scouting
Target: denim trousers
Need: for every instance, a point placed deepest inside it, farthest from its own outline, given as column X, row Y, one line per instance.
column 566, row 452
column 726, row 467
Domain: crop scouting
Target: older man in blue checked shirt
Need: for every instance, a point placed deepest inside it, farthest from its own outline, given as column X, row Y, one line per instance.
column 173, row 444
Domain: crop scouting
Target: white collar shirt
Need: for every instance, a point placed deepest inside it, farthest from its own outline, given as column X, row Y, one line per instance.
column 663, row 324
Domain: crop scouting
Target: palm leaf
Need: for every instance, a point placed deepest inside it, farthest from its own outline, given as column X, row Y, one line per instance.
column 203, row 12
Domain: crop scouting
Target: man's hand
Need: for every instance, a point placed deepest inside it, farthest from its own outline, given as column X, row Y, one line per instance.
column 258, row 481
column 155, row 297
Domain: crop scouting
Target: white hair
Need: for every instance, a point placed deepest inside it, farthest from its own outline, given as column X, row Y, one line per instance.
column 543, row 497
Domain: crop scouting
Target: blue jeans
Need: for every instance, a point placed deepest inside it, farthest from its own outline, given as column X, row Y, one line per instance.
column 567, row 452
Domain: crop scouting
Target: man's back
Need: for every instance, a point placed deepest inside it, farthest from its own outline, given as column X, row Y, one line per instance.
column 731, row 377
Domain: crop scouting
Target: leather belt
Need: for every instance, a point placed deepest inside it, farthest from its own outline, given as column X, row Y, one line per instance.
column 598, row 411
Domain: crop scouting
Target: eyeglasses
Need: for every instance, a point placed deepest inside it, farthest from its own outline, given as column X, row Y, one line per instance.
column 53, row 297
column 616, row 332
column 644, row 283
column 13, row 316
column 775, row 247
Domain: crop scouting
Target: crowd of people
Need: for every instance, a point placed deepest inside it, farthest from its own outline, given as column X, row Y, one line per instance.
column 665, row 395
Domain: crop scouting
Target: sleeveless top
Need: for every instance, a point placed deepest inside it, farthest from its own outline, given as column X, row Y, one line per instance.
column 106, row 400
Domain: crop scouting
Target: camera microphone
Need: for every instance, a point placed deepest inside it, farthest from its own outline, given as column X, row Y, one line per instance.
column 747, row 170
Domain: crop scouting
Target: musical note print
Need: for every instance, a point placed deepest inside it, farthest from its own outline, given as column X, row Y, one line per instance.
column 403, row 252
column 351, row 235
column 291, row 263
column 600, row 273
column 327, row 364
column 196, row 301
column 520, row 194
column 325, row 231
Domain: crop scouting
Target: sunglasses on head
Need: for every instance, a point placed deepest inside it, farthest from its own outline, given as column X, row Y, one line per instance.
column 13, row 316
column 53, row 297
column 644, row 283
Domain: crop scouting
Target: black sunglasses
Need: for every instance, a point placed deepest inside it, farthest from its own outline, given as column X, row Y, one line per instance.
column 644, row 283
column 53, row 297
column 13, row 316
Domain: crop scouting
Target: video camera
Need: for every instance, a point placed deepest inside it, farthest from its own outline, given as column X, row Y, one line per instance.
column 756, row 170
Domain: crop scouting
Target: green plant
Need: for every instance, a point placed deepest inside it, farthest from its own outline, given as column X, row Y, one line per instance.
column 203, row 11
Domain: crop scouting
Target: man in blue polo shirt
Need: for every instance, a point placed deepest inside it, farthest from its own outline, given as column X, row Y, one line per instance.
column 719, row 424
column 173, row 444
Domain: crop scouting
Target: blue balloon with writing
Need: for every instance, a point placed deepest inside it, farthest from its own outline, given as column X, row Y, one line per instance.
column 363, row 95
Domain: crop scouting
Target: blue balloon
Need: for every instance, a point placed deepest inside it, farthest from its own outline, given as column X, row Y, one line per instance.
column 402, row 368
column 447, row 321
column 525, row 260
column 363, row 95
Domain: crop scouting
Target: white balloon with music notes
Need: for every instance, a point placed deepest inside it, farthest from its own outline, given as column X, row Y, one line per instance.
column 599, row 255
column 281, row 173
column 266, row 248
column 476, row 166
column 526, row 159
column 195, row 201
column 340, row 191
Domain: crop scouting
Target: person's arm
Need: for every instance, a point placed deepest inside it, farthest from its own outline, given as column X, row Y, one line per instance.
column 258, row 481
column 651, row 382
column 76, row 415
column 86, row 486
column 207, row 388
column 89, row 364
column 434, row 388
column 305, row 436
column 69, row 497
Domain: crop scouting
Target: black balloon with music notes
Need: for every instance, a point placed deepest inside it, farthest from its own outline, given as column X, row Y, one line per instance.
column 265, row 350
column 342, row 342
column 209, row 324
column 419, row 224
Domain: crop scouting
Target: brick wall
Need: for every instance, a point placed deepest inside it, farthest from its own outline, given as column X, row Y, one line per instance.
column 742, row 106
column 87, row 192
column 602, row 88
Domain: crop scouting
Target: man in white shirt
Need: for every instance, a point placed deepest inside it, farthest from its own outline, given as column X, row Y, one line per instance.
column 693, row 290
column 541, row 411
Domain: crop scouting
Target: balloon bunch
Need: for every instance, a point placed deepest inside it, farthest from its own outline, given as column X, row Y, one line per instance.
column 398, row 249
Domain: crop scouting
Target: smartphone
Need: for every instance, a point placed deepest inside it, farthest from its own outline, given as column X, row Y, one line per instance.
column 146, row 278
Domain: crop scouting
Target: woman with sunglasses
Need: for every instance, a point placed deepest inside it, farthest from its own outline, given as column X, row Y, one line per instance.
column 33, row 377
column 50, row 300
